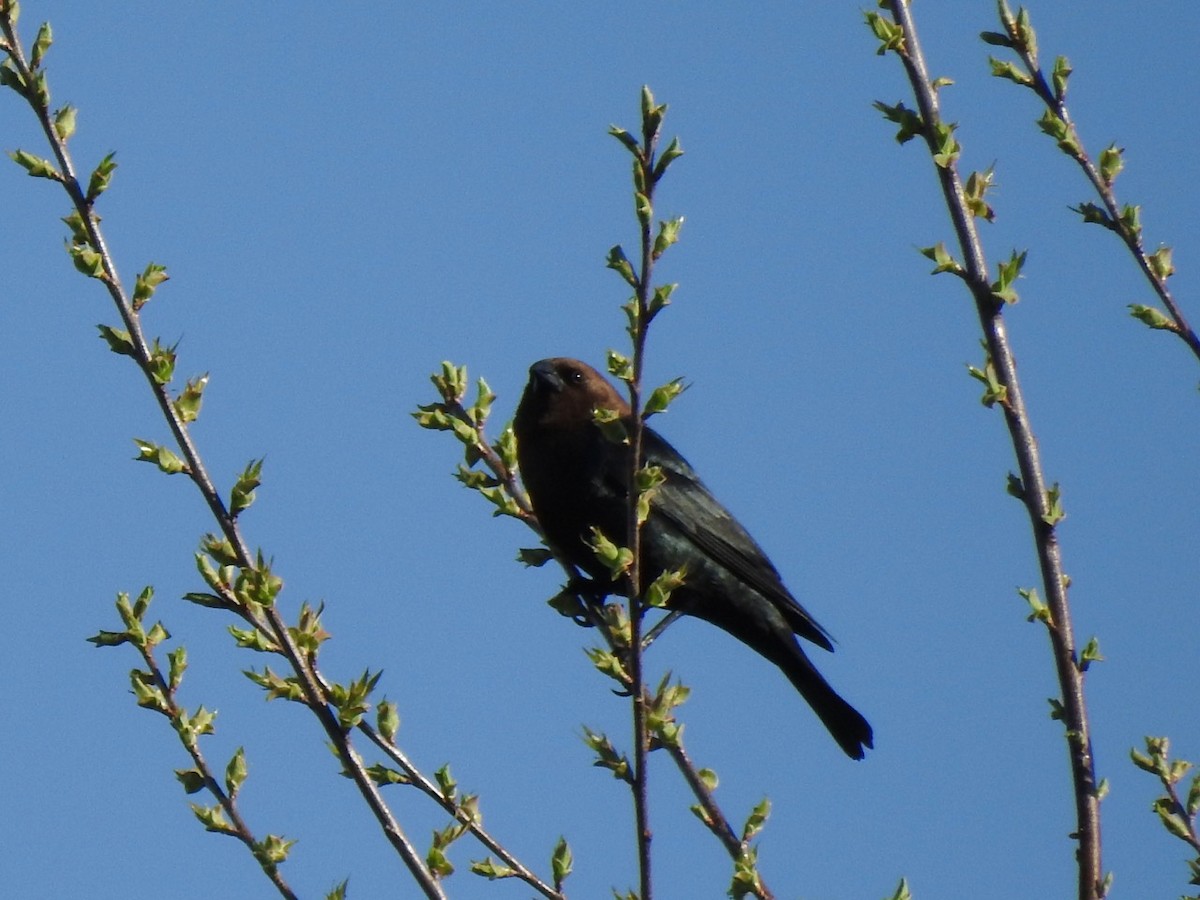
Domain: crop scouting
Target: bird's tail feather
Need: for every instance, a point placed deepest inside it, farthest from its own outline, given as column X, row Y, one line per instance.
column 847, row 726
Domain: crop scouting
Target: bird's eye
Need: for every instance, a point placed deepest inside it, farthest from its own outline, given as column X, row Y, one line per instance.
column 575, row 376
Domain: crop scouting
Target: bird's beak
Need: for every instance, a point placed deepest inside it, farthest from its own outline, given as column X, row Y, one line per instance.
column 542, row 376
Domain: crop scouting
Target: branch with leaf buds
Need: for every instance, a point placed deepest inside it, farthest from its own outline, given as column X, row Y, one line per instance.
column 966, row 203
column 619, row 625
column 156, row 691
column 1177, row 814
column 1123, row 220
column 238, row 581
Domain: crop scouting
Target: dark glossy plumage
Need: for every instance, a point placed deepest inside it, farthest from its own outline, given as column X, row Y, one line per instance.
column 577, row 478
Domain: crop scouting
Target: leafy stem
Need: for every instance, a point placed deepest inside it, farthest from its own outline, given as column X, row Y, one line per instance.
column 898, row 35
column 1123, row 220
column 92, row 257
column 157, row 691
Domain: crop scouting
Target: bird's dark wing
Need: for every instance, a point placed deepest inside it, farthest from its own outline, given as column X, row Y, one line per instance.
column 695, row 513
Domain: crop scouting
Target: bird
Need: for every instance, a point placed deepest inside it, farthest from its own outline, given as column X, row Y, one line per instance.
column 577, row 478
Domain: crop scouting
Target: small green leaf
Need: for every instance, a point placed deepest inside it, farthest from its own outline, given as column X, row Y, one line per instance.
column 1063, row 134
column 661, row 298
column 45, row 37
column 382, row 775
column 74, row 221
column 272, row 850
column 242, row 494
column 387, row 719
column 611, row 425
column 220, row 549
column 756, row 820
column 619, row 263
column 909, row 120
column 606, row 755
column 619, row 365
column 147, row 283
column 1094, row 215
column 1008, row 272
column 101, row 177
column 187, row 404
column 213, row 819
column 11, row 78
column 660, row 398
column 1039, row 611
column 1015, row 487
column 35, row 166
column 87, row 261
column 975, row 193
column 1131, row 218
column 147, row 691
column 447, row 783
column 143, row 602
column 64, row 123
column 210, row 601
column 193, row 780
column 660, row 589
column 276, row 686
column 1091, row 653
column 491, row 870
column 643, row 208
column 948, row 148
column 253, row 639
column 561, row 862
column 257, row 584
column 616, row 559
column 668, row 156
column 626, row 138
column 162, row 362
column 889, row 33
column 994, row 391
column 1143, row 762
column 437, row 862
column 943, row 260
column 41, row 91
column 995, row 39
column 1054, row 513
column 1002, row 68
column 1171, row 820
column 652, row 113
column 1062, row 71
column 177, row 661
column 1160, row 263
column 160, row 456
column 235, row 772
column 109, row 638
column 534, row 557
column 1111, row 163
column 668, row 234
column 746, row 880
column 484, row 397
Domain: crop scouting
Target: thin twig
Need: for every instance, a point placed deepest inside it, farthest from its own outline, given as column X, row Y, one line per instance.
column 314, row 696
column 239, row 829
column 645, row 159
column 431, row 790
column 1034, row 487
column 1055, row 101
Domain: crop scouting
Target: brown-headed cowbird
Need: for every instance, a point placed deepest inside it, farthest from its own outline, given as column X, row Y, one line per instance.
column 578, row 478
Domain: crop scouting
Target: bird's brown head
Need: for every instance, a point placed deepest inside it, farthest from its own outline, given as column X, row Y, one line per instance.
column 562, row 392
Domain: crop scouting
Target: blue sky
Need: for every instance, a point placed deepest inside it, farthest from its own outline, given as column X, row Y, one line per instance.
column 347, row 195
